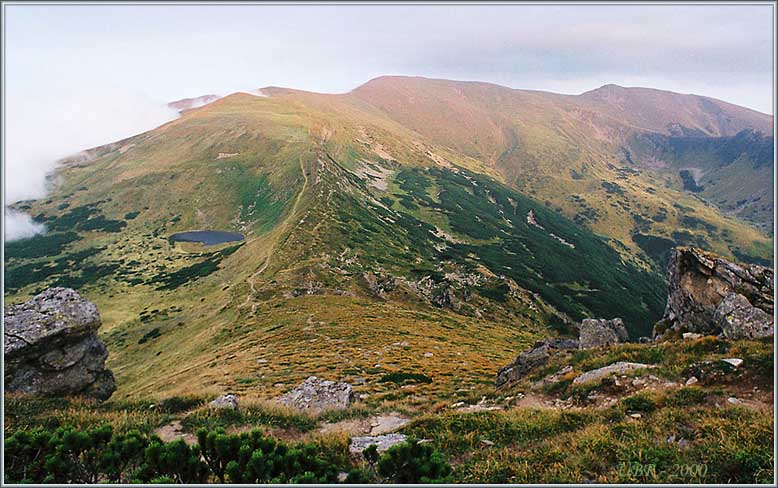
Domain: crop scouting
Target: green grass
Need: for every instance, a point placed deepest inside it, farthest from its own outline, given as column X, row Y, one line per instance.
column 27, row 413
column 534, row 446
column 249, row 415
column 539, row 262
column 259, row 202
column 681, row 435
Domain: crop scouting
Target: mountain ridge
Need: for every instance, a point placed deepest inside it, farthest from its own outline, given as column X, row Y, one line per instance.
column 361, row 230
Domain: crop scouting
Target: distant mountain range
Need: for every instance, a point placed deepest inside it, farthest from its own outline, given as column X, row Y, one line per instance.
column 433, row 210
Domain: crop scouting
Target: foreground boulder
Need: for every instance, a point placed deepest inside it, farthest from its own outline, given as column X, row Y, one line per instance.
column 531, row 359
column 700, row 282
column 318, row 395
column 51, row 347
column 601, row 332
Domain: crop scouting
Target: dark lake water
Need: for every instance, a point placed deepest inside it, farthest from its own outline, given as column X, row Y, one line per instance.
column 207, row 237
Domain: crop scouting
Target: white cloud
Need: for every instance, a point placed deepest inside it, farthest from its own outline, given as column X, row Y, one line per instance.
column 19, row 225
column 42, row 128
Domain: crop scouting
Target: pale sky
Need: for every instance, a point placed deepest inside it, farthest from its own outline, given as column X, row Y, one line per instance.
column 174, row 51
column 81, row 76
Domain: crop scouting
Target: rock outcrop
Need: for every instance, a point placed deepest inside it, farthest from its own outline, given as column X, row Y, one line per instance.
column 531, row 359
column 382, row 442
column 738, row 319
column 228, row 401
column 601, row 332
column 701, row 282
column 318, row 395
column 51, row 347
column 620, row 367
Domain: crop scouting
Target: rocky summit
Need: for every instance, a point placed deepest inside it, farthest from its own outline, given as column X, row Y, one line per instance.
column 701, row 282
column 51, row 347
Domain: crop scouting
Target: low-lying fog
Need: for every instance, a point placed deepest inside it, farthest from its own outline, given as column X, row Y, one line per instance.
column 44, row 128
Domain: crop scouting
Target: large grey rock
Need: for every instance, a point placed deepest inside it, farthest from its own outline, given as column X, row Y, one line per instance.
column 601, row 332
column 699, row 281
column 620, row 367
column 317, row 395
column 228, row 401
column 738, row 319
column 51, row 347
column 382, row 442
column 531, row 359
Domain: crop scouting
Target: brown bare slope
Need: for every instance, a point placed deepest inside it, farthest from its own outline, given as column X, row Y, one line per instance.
column 668, row 112
column 572, row 152
column 509, row 127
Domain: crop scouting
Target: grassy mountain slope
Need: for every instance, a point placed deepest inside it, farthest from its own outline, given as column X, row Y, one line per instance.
column 572, row 152
column 349, row 249
column 376, row 243
column 735, row 173
column 674, row 113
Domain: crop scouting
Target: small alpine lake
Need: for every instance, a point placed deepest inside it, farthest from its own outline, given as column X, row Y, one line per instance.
column 207, row 237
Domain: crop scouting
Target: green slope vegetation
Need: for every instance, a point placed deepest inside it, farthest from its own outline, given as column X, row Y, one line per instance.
column 734, row 173
column 362, row 231
column 571, row 150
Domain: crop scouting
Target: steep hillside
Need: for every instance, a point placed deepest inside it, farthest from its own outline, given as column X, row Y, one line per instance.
column 573, row 152
column 443, row 222
column 348, row 250
column 735, row 173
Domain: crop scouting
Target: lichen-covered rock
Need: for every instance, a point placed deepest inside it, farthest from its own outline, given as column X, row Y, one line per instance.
column 531, row 359
column 382, row 442
column 228, row 401
column 738, row 319
column 318, row 395
column 620, row 367
column 699, row 281
column 601, row 332
column 51, row 347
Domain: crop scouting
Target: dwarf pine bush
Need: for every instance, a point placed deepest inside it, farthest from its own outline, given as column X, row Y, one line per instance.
column 99, row 455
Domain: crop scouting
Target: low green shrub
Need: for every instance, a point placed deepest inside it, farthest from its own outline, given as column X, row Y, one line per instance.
column 412, row 462
column 400, row 378
column 100, row 455
column 253, row 458
column 179, row 404
column 173, row 462
column 409, row 462
column 641, row 402
column 72, row 456
column 685, row 397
